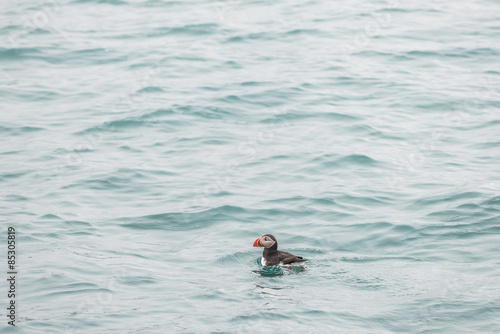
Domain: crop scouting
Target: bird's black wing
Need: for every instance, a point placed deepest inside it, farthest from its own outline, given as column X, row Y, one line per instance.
column 287, row 258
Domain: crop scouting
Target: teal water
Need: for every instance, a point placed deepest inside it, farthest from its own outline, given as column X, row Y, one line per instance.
column 144, row 146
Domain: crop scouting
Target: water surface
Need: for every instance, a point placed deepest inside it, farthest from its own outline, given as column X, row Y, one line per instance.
column 145, row 145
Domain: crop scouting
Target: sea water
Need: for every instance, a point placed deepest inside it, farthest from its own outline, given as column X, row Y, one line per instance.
column 145, row 144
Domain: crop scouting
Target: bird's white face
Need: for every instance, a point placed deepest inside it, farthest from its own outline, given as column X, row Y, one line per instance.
column 264, row 241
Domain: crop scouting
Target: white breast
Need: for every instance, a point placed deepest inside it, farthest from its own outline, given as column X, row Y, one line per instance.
column 263, row 261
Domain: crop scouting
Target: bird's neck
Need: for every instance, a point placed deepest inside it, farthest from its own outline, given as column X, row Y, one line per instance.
column 271, row 249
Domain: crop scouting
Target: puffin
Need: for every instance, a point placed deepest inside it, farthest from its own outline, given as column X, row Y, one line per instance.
column 272, row 256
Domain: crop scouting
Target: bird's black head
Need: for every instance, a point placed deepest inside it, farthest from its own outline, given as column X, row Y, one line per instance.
column 266, row 241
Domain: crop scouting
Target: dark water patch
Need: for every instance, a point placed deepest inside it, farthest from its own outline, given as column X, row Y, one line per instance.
column 272, row 97
column 373, row 54
column 423, row 54
column 232, row 99
column 184, row 221
column 287, row 199
column 95, row 56
column 479, row 52
column 189, row 30
column 19, row 130
column 159, row 113
column 357, row 159
column 329, row 161
column 215, row 142
column 10, row 27
column 48, row 236
column 191, row 58
column 27, row 238
column 49, row 218
column 437, row 107
column 455, row 215
column 489, row 221
column 255, row 83
column 492, row 211
column 18, row 54
column 95, row 185
column 161, row 3
column 4, row 177
column 207, row 112
column 81, row 285
column 14, row 197
column 465, row 234
column 147, row 121
column 470, row 207
column 67, row 291
column 210, row 88
column 270, row 271
column 130, row 149
column 262, row 316
column 81, row 233
column 222, row 194
column 476, row 126
column 107, row 2
column 408, row 10
column 120, row 125
column 330, row 115
column 492, row 202
column 232, row 64
column 150, row 89
column 488, row 124
column 10, row 152
column 298, row 32
column 403, row 229
column 487, row 145
column 262, row 36
column 445, row 198
column 35, row 95
column 137, row 280
column 274, row 124
column 325, row 203
column 159, row 172
column 367, row 130
column 338, row 116
column 280, row 157
column 89, row 52
column 427, row 186
column 79, row 224
column 39, row 31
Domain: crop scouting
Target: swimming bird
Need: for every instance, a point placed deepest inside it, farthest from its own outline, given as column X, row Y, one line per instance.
column 272, row 256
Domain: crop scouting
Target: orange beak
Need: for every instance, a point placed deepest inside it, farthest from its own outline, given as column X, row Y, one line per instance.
column 257, row 243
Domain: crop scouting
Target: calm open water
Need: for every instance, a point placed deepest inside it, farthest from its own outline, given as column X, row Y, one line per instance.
column 144, row 146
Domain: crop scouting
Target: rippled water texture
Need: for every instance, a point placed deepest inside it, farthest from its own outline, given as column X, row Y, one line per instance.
column 144, row 146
